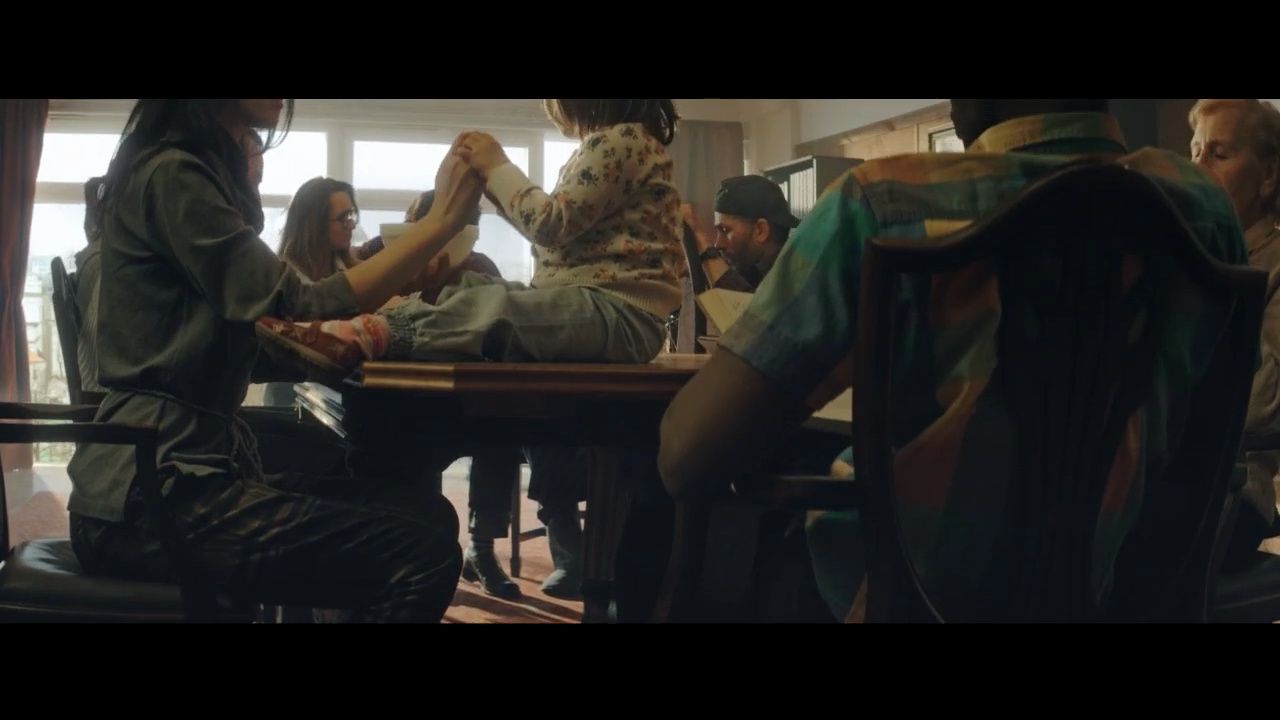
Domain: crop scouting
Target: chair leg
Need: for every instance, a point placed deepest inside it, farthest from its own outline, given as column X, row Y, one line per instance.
column 676, row 600
column 515, row 527
column 727, row 568
column 608, row 503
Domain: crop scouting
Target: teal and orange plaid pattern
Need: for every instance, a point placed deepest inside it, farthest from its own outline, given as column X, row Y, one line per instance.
column 800, row 326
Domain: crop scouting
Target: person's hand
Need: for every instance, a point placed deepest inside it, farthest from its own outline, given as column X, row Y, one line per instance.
column 703, row 237
column 481, row 152
column 458, row 189
column 436, row 273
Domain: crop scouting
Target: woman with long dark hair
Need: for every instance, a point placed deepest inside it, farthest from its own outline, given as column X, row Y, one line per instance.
column 184, row 277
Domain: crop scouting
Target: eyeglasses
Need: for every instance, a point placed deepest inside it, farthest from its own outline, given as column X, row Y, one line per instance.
column 348, row 219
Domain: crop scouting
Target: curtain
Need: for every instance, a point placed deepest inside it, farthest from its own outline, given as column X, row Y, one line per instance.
column 703, row 154
column 21, row 140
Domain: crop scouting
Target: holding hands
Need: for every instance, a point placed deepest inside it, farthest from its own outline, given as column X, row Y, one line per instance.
column 458, row 189
column 480, row 151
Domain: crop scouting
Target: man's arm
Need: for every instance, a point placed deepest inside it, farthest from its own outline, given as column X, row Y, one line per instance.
column 790, row 352
column 717, row 270
column 725, row 421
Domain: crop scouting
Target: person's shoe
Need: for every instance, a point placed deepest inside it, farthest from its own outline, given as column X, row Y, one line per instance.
column 563, row 584
column 483, row 567
column 564, row 535
column 326, row 358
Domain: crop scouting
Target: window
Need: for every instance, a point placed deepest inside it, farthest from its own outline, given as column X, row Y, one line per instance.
column 370, row 220
column 272, row 225
column 75, row 157
column 302, row 156
column 506, row 247
column 555, row 154
column 397, row 165
column 389, row 175
column 67, row 161
column 388, row 160
column 410, row 166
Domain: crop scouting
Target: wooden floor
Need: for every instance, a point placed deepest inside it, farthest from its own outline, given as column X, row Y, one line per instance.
column 37, row 509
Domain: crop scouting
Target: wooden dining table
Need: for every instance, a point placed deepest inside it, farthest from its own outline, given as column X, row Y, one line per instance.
column 394, row 413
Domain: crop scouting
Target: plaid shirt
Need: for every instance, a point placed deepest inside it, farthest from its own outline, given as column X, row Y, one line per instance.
column 799, row 331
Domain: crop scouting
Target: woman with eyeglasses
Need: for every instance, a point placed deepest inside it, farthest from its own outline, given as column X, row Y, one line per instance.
column 185, row 274
column 316, row 240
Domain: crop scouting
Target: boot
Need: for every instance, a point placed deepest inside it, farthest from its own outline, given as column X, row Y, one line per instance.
column 482, row 566
column 564, row 535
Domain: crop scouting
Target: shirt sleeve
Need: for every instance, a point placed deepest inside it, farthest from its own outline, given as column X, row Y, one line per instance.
column 224, row 258
column 799, row 328
column 605, row 170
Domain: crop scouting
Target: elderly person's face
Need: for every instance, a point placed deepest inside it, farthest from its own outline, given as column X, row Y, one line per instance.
column 1221, row 145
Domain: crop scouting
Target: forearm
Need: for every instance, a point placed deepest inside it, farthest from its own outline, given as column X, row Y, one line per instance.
column 715, row 267
column 385, row 274
column 724, row 422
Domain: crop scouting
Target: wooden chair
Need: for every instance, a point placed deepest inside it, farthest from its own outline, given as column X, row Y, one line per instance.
column 1076, row 363
column 42, row 581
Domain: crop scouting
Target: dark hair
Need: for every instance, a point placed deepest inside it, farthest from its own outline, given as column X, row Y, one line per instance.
column 194, row 126
column 304, row 241
column 581, row 117
column 422, row 205
column 974, row 117
column 92, row 199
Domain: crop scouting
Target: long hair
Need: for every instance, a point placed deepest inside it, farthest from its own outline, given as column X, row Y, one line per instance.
column 304, row 242
column 193, row 126
column 581, row 117
column 92, row 199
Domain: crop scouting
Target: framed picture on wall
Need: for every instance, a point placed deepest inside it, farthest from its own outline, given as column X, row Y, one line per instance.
column 945, row 140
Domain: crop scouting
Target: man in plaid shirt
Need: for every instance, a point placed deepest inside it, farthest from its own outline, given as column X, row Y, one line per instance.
column 791, row 351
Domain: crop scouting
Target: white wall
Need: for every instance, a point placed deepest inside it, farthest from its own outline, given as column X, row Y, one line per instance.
column 774, row 127
column 711, row 109
column 771, row 129
column 824, row 118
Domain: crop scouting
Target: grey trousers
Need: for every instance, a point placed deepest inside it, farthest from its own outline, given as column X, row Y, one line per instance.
column 484, row 318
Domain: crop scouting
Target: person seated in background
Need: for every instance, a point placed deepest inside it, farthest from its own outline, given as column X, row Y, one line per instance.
column 494, row 472
column 431, row 285
column 1238, row 142
column 316, row 240
column 752, row 224
column 791, row 352
column 606, row 249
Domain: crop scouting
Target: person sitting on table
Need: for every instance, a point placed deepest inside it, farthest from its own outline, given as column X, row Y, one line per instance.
column 494, row 472
column 606, row 252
